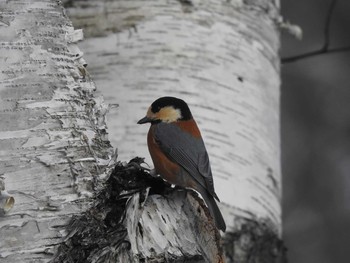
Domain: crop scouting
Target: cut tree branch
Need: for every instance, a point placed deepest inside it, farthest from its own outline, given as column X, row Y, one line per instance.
column 325, row 48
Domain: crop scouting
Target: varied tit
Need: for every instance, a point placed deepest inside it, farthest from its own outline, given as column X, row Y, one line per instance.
column 178, row 152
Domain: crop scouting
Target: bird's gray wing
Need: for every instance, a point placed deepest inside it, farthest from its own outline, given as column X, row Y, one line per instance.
column 189, row 152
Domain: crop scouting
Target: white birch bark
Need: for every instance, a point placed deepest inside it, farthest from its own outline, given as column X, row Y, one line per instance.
column 160, row 238
column 52, row 133
column 219, row 56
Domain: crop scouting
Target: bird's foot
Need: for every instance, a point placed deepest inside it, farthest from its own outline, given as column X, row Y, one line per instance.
column 136, row 162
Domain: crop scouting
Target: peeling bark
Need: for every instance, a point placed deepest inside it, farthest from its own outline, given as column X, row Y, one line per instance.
column 6, row 201
column 154, row 229
column 52, row 135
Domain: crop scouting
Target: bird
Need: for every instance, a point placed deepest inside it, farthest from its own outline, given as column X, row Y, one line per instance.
column 178, row 151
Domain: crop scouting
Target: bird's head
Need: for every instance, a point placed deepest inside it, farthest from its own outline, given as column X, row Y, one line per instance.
column 167, row 109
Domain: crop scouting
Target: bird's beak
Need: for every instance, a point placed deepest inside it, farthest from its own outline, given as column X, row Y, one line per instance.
column 144, row 120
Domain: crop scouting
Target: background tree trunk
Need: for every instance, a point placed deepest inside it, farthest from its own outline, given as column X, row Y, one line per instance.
column 52, row 133
column 219, row 56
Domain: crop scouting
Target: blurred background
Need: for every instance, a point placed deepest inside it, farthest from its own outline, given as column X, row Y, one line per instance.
column 316, row 135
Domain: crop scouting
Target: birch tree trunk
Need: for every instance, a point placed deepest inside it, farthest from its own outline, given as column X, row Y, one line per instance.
column 52, row 132
column 219, row 56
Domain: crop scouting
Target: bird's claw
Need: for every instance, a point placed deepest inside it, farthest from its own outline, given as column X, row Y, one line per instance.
column 136, row 164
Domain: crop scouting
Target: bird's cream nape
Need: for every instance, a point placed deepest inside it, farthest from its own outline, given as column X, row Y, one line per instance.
column 166, row 114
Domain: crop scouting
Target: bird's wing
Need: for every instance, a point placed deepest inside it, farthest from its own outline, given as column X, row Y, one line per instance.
column 189, row 152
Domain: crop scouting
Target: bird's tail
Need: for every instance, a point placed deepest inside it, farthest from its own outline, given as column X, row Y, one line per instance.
column 214, row 210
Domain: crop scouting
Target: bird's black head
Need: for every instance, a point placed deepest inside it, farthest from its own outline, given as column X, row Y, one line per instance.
column 167, row 109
